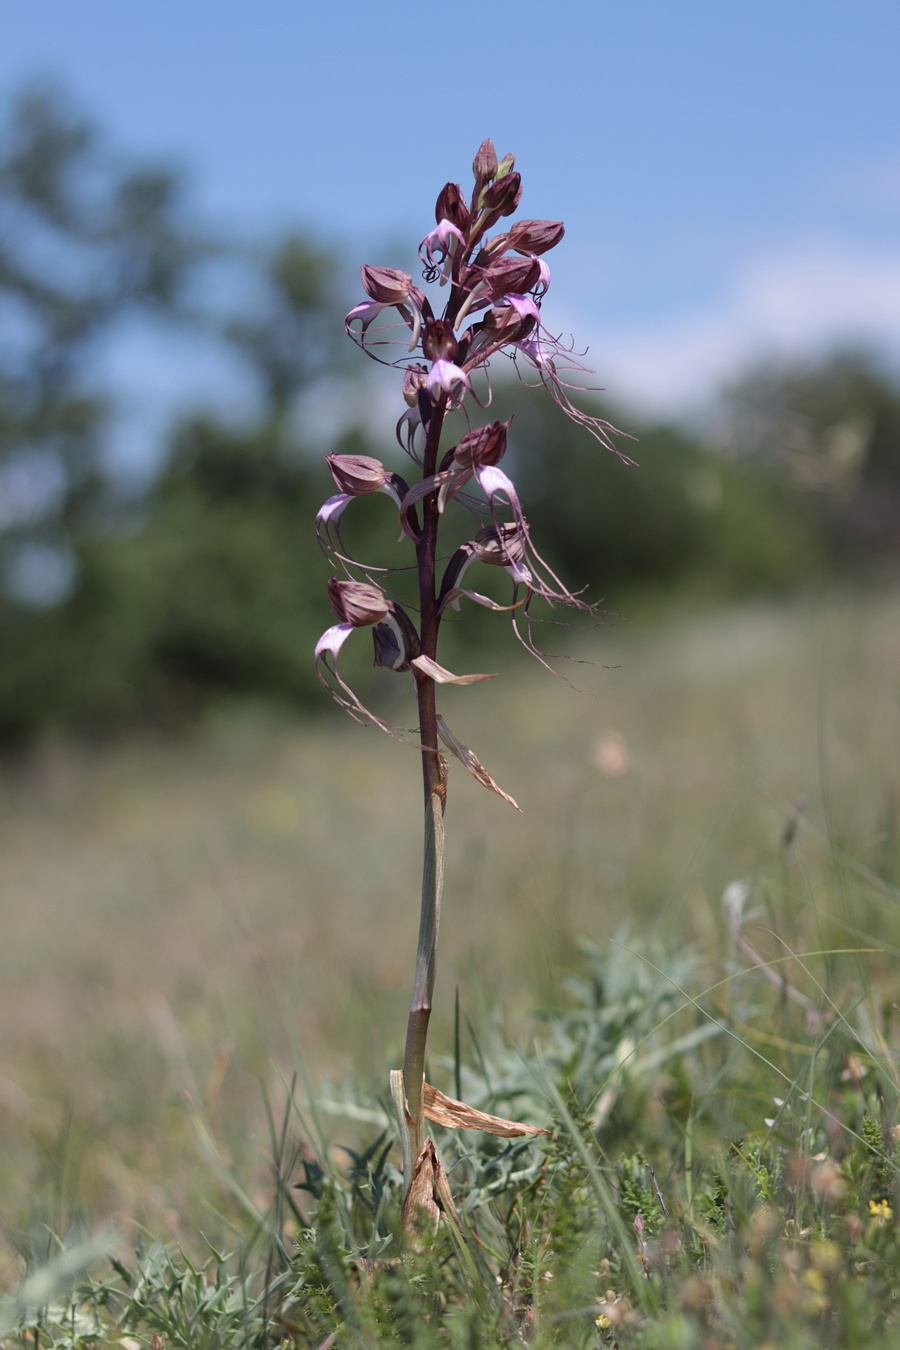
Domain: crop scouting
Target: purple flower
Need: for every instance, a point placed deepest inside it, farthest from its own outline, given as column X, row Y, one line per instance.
column 438, row 249
column 443, row 376
column 387, row 288
column 493, row 292
column 495, row 286
column 535, row 236
column 451, row 205
column 358, row 604
column 547, row 354
column 501, row 197
column 484, row 445
column 361, row 475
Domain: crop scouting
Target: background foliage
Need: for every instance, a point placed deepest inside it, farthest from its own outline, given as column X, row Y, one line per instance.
column 188, row 917
column 124, row 604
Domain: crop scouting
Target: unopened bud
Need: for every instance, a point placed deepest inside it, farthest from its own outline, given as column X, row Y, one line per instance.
column 439, row 341
column 451, row 205
column 357, row 475
column 535, row 236
column 491, row 248
column 356, row 602
column 505, row 166
column 502, row 197
column 483, row 446
column 511, row 276
column 484, row 165
column 500, row 545
column 386, row 285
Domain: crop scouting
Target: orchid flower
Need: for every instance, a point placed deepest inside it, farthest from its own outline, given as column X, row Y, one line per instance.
column 495, row 286
column 443, row 377
column 438, row 249
column 388, row 288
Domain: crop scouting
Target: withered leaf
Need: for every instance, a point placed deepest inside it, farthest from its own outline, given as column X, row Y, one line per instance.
column 442, row 676
column 429, row 1195
column 441, row 1110
column 472, row 762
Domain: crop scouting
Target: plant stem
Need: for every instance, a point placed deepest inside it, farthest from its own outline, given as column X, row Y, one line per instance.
column 434, row 791
column 426, row 955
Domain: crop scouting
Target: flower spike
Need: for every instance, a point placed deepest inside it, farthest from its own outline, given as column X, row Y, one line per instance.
column 494, row 283
column 496, row 287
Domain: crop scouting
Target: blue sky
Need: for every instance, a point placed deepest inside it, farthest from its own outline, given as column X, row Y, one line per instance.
column 729, row 173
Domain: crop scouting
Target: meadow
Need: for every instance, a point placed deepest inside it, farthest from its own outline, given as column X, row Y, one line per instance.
column 681, row 959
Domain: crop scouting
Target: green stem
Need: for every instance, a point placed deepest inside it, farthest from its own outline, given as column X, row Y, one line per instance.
column 423, row 988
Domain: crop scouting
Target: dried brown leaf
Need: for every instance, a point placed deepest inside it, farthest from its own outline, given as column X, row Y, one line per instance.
column 440, row 790
column 429, row 1195
column 442, row 676
column 472, row 762
column 441, row 1110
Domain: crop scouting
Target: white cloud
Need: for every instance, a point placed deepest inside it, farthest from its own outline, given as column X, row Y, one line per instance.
column 801, row 301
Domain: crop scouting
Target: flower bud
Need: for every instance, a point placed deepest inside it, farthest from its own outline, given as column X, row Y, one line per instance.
column 357, row 475
column 439, row 342
column 387, row 285
column 491, row 248
column 500, row 545
column 485, row 445
column 356, row 602
column 535, row 236
column 511, row 276
column 484, row 165
column 451, row 205
column 502, row 197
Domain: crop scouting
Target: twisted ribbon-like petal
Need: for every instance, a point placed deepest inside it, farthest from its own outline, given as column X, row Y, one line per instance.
column 326, row 654
column 442, row 376
column 437, row 249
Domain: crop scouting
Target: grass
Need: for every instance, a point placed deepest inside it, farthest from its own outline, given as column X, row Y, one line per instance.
column 185, row 924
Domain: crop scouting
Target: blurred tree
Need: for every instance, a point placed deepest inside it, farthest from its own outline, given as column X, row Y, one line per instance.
column 292, row 338
column 831, row 428
column 684, row 515
column 84, row 243
column 224, row 556
column 210, row 596
column 112, row 608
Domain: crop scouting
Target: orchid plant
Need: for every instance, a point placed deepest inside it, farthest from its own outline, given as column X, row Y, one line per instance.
column 494, row 286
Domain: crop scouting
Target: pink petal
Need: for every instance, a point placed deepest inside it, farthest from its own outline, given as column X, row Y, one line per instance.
column 333, row 508
column 333, row 639
column 493, row 480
